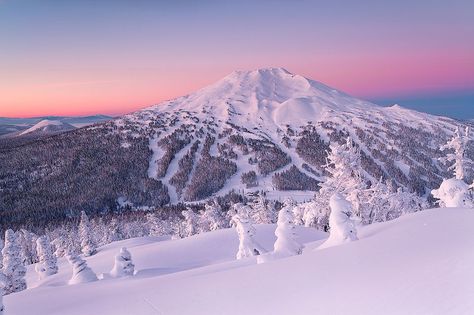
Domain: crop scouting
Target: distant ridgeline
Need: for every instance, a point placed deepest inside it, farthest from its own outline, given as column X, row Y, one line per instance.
column 263, row 130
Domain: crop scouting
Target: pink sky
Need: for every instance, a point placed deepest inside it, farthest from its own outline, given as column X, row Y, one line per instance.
column 113, row 58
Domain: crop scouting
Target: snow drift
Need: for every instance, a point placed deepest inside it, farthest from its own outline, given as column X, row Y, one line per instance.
column 418, row 264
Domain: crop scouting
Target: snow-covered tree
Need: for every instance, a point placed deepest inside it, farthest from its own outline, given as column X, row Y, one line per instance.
column 48, row 264
column 262, row 212
column 286, row 243
column 298, row 213
column 345, row 177
column 62, row 245
column 28, row 247
column 458, row 145
column 154, row 224
column 88, row 247
column 13, row 267
column 379, row 204
column 115, row 231
column 100, row 235
column 211, row 218
column 248, row 247
column 81, row 273
column 123, row 264
column 342, row 227
column 454, row 192
column 190, row 223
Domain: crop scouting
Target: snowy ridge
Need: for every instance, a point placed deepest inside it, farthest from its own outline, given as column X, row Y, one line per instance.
column 405, row 266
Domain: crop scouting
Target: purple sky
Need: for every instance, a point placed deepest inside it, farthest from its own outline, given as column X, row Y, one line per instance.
column 83, row 57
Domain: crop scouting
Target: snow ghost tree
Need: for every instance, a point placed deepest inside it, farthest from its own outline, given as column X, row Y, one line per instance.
column 88, row 246
column 47, row 264
column 190, row 222
column 123, row 264
column 81, row 273
column 286, row 244
column 454, row 192
column 248, row 247
column 342, row 227
column 13, row 267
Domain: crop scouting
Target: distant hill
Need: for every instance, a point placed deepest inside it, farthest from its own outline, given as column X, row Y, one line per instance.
column 15, row 126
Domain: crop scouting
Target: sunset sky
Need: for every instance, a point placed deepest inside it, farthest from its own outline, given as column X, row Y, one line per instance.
column 112, row 57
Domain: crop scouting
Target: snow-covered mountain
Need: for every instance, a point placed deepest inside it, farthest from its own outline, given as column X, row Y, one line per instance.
column 266, row 129
column 48, row 126
column 278, row 125
column 417, row 264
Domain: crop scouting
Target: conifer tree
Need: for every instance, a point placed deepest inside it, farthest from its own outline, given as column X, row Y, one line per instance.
column 47, row 264
column 190, row 222
column 13, row 267
column 88, row 247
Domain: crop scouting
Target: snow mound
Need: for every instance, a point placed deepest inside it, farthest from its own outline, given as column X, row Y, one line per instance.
column 418, row 264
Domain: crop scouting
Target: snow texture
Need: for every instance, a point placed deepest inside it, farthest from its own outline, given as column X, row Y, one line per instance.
column 420, row 263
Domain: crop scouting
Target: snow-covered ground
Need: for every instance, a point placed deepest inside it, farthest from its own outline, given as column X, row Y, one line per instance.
column 421, row 263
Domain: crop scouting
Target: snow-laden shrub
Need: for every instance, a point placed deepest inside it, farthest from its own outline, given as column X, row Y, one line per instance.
column 342, row 227
column 81, row 273
column 211, row 218
column 47, row 264
column 453, row 193
column 123, row 266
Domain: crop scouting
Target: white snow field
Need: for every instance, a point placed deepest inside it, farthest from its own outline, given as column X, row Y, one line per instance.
column 422, row 263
